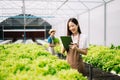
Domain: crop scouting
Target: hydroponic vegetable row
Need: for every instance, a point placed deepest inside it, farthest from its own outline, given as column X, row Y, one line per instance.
column 104, row 58
column 33, row 62
column 107, row 59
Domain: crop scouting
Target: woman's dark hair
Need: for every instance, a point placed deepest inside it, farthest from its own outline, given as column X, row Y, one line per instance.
column 75, row 21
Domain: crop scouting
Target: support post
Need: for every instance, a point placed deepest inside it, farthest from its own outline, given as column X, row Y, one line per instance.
column 24, row 20
column 104, row 23
column 90, row 72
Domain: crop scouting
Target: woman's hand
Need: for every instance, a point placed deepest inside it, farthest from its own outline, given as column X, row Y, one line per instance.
column 51, row 45
column 73, row 46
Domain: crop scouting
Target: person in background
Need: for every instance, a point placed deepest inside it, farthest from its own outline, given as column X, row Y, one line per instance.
column 78, row 48
column 51, row 43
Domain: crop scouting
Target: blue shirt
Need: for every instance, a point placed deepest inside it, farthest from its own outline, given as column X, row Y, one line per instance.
column 50, row 40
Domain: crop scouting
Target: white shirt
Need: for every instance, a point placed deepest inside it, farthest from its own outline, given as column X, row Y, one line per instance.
column 83, row 43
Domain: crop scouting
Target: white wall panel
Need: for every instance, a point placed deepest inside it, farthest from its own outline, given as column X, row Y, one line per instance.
column 113, row 23
column 97, row 26
column 96, row 32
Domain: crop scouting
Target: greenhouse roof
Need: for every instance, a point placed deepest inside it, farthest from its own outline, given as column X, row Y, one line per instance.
column 53, row 11
column 18, row 20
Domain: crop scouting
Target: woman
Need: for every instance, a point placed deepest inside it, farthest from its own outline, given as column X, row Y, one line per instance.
column 79, row 46
column 51, row 41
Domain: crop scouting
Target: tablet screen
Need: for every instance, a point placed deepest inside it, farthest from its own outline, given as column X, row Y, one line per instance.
column 66, row 41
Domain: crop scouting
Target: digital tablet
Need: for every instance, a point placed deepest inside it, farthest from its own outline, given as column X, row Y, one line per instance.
column 66, row 41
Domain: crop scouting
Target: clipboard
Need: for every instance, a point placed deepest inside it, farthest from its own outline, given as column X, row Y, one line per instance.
column 66, row 41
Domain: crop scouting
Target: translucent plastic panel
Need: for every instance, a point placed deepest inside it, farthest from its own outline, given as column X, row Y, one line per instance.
column 50, row 10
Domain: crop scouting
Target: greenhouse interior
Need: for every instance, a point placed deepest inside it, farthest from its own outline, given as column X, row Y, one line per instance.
column 59, row 40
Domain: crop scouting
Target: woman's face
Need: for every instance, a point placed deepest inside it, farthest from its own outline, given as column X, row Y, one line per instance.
column 73, row 27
